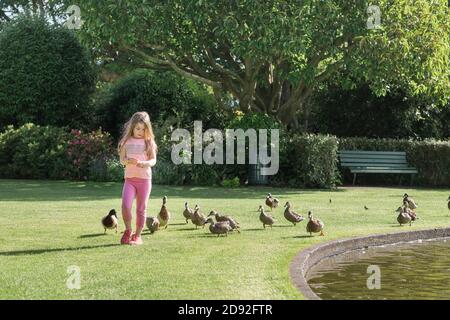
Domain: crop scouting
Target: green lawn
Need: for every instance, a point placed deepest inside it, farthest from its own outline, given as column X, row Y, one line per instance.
column 47, row 226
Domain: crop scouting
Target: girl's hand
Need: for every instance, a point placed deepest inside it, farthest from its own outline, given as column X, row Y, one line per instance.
column 142, row 164
column 132, row 161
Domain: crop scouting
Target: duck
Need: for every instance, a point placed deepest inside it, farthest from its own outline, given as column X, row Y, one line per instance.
column 152, row 224
column 219, row 218
column 265, row 218
column 198, row 218
column 292, row 216
column 403, row 216
column 188, row 212
column 411, row 213
column 314, row 225
column 164, row 214
column 110, row 221
column 410, row 201
column 222, row 227
column 271, row 202
column 448, row 203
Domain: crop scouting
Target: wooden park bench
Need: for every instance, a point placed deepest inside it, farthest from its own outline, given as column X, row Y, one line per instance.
column 376, row 162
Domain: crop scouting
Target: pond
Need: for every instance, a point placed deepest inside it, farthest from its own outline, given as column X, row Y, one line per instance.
column 413, row 270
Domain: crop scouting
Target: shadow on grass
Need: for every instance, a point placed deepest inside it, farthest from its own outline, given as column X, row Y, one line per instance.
column 83, row 236
column 300, row 237
column 60, row 190
column 41, row 251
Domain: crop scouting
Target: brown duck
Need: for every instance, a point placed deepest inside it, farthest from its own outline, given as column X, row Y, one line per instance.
column 271, row 202
column 198, row 218
column 188, row 212
column 152, row 224
column 410, row 202
column 224, row 218
column 265, row 218
column 164, row 214
column 110, row 221
column 411, row 213
column 314, row 225
column 222, row 227
column 291, row 215
column 403, row 216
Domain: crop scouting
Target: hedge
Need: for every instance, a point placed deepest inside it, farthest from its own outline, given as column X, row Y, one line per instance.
column 306, row 160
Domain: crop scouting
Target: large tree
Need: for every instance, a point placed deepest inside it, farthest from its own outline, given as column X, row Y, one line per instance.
column 271, row 55
column 54, row 10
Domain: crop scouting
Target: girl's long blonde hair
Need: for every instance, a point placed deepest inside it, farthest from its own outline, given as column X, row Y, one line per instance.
column 128, row 128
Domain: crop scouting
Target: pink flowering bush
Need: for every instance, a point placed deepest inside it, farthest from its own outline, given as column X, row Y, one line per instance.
column 46, row 152
column 85, row 148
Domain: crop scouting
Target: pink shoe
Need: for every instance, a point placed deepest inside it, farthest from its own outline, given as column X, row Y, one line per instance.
column 126, row 237
column 136, row 240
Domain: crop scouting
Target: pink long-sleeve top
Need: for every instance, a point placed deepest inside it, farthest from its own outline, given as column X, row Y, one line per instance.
column 135, row 148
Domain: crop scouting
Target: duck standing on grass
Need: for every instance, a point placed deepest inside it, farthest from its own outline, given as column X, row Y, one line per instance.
column 164, row 214
column 403, row 216
column 222, row 227
column 152, row 224
column 448, row 203
column 219, row 218
column 198, row 218
column 411, row 213
column 188, row 212
column 271, row 202
column 265, row 218
column 411, row 204
column 314, row 225
column 110, row 221
column 291, row 215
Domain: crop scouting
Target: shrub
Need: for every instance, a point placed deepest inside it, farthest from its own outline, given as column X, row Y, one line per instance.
column 37, row 152
column 84, row 148
column 32, row 151
column 45, row 75
column 106, row 169
column 311, row 161
column 171, row 101
column 231, row 183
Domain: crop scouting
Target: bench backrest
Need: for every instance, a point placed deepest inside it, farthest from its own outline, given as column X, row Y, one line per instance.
column 373, row 159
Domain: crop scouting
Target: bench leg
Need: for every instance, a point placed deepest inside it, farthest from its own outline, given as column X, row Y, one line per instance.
column 354, row 178
column 412, row 179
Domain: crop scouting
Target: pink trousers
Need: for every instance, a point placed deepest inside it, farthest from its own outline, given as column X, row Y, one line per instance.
column 140, row 189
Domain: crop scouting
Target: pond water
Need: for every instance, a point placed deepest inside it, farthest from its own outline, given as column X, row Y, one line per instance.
column 413, row 270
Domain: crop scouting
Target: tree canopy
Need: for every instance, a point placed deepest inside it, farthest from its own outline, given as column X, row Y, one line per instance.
column 271, row 55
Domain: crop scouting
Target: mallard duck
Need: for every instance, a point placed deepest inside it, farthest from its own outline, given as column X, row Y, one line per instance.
column 410, row 201
column 292, row 216
column 271, row 202
column 188, row 212
column 164, row 214
column 265, row 218
column 314, row 225
column 222, row 227
column 403, row 216
column 411, row 213
column 219, row 218
column 110, row 221
column 198, row 218
column 152, row 224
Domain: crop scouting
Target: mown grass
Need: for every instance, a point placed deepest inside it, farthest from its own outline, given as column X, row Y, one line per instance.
column 47, row 226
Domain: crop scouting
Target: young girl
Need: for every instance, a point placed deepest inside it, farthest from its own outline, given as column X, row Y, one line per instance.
column 137, row 149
